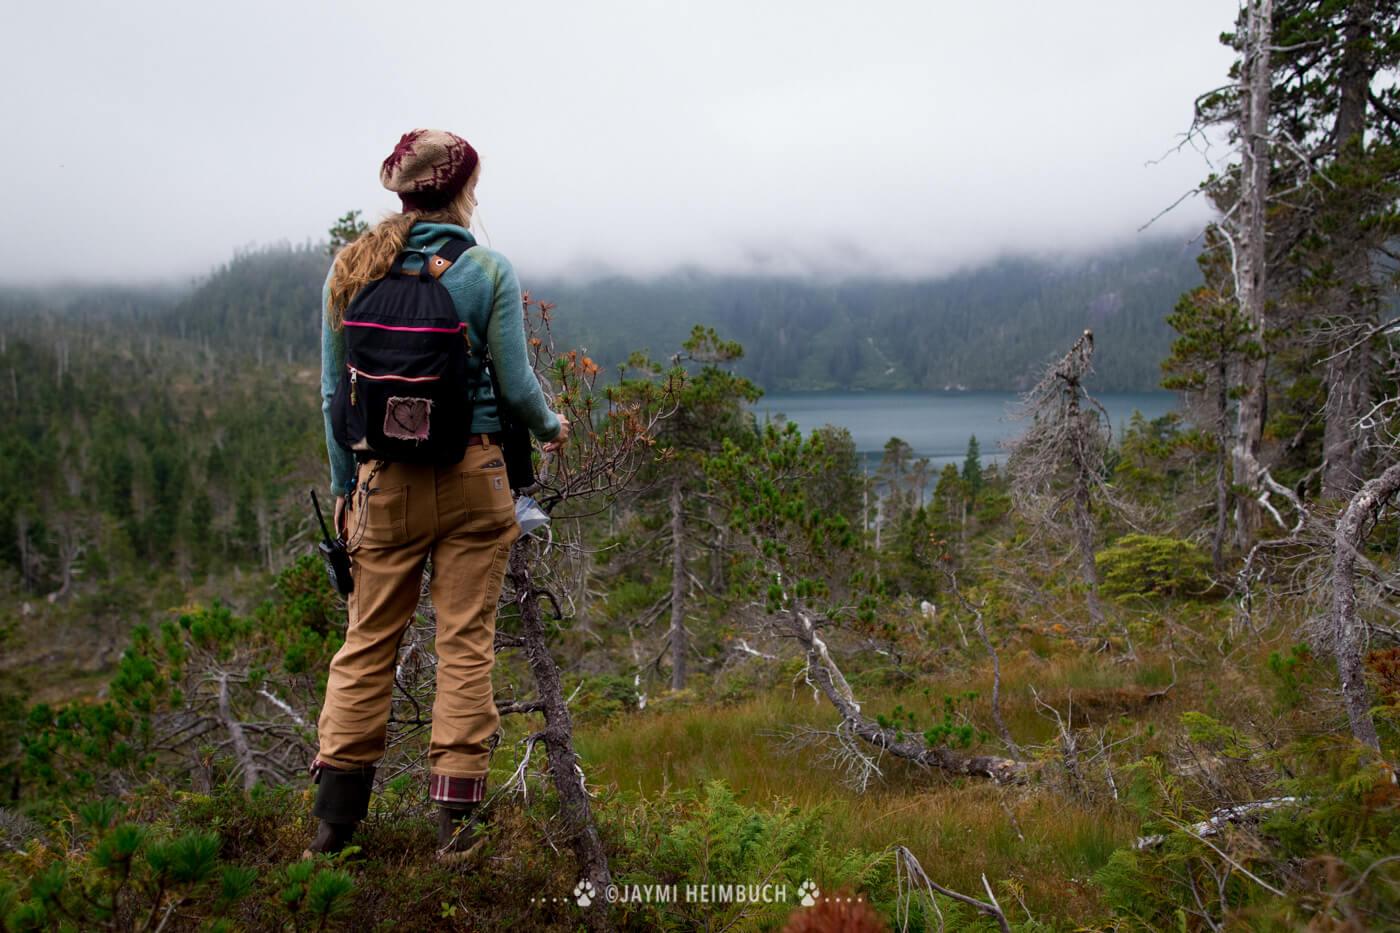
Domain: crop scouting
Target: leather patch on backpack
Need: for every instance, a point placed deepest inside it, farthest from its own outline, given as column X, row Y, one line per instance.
column 407, row 418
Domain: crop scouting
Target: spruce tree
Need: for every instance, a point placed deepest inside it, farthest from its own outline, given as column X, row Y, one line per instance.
column 972, row 470
column 1212, row 339
column 347, row 229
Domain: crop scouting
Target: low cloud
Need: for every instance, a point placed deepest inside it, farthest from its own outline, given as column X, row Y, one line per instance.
column 792, row 137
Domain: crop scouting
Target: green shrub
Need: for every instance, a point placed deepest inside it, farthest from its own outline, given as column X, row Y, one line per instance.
column 605, row 695
column 1154, row 566
column 126, row 876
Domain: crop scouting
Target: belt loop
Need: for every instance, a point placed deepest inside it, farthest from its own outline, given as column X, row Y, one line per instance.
column 486, row 441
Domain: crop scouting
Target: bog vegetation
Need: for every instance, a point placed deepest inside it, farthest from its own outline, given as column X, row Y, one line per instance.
column 1130, row 681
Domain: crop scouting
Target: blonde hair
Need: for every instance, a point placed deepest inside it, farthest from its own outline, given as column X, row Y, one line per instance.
column 370, row 255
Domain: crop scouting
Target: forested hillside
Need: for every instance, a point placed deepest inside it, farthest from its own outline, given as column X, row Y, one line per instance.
column 136, row 468
column 982, row 328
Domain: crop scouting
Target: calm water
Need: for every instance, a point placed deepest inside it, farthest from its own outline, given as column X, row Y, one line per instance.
column 936, row 424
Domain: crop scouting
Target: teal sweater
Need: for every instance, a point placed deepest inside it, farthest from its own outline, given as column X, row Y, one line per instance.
column 481, row 282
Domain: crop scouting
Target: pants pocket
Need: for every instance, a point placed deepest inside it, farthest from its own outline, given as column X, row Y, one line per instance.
column 488, row 499
column 385, row 522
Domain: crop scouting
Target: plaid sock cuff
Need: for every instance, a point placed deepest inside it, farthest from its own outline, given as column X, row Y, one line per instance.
column 443, row 788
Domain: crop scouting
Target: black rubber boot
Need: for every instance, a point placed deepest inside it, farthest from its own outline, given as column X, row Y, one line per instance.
column 330, row 838
column 457, row 832
column 342, row 801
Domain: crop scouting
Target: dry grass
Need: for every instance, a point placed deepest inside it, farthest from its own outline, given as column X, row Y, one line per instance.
column 1048, row 843
column 1044, row 838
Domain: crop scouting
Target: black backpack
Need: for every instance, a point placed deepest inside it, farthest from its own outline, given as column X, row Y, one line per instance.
column 407, row 392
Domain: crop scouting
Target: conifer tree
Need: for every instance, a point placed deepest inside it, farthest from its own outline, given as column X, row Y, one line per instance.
column 948, row 504
column 972, row 470
column 1213, row 339
column 347, row 229
column 1334, row 100
column 711, row 404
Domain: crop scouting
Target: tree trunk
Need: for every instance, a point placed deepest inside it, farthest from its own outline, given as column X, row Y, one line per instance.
column 864, row 488
column 1222, row 469
column 70, row 549
column 1084, row 532
column 1348, row 374
column 237, row 738
column 1083, row 513
column 717, row 550
column 264, row 533
column 1348, row 382
column 574, row 808
column 1346, row 629
column 678, row 585
column 1357, row 71
column 1250, row 253
column 30, row 560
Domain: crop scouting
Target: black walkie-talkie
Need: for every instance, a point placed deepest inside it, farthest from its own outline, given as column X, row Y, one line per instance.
column 335, row 555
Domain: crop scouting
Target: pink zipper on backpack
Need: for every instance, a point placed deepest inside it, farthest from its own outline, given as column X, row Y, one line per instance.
column 356, row 373
column 414, row 330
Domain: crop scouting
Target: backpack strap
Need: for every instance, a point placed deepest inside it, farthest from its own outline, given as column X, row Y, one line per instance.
column 443, row 259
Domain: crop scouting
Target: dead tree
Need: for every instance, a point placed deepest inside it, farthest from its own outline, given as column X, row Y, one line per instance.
column 825, row 676
column 230, row 709
column 612, row 435
column 1058, row 463
column 1242, row 193
column 679, row 644
column 72, row 535
column 1245, row 229
column 558, row 733
column 1345, row 629
column 910, row 878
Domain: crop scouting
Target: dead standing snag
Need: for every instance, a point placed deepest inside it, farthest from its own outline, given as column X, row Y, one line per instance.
column 1058, row 463
column 613, row 432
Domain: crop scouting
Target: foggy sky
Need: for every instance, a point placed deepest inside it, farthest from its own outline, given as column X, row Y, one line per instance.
column 153, row 139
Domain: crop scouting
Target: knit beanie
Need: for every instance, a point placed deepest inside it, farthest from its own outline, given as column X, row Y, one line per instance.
column 428, row 168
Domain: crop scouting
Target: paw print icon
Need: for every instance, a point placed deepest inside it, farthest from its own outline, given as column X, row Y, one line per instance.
column 584, row 892
column 808, row 892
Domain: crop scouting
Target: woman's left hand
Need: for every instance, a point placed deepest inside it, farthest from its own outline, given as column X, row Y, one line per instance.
column 561, row 438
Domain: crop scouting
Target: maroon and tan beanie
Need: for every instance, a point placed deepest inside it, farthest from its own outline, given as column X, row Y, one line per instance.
column 428, row 168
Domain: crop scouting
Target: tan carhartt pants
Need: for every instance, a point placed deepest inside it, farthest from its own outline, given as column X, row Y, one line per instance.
column 462, row 516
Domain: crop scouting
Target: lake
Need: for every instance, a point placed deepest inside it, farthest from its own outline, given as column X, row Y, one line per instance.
column 936, row 424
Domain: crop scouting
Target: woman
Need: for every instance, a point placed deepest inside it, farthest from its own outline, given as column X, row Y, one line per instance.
column 394, row 516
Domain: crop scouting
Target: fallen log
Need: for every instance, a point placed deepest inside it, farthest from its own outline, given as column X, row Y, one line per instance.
column 823, row 673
